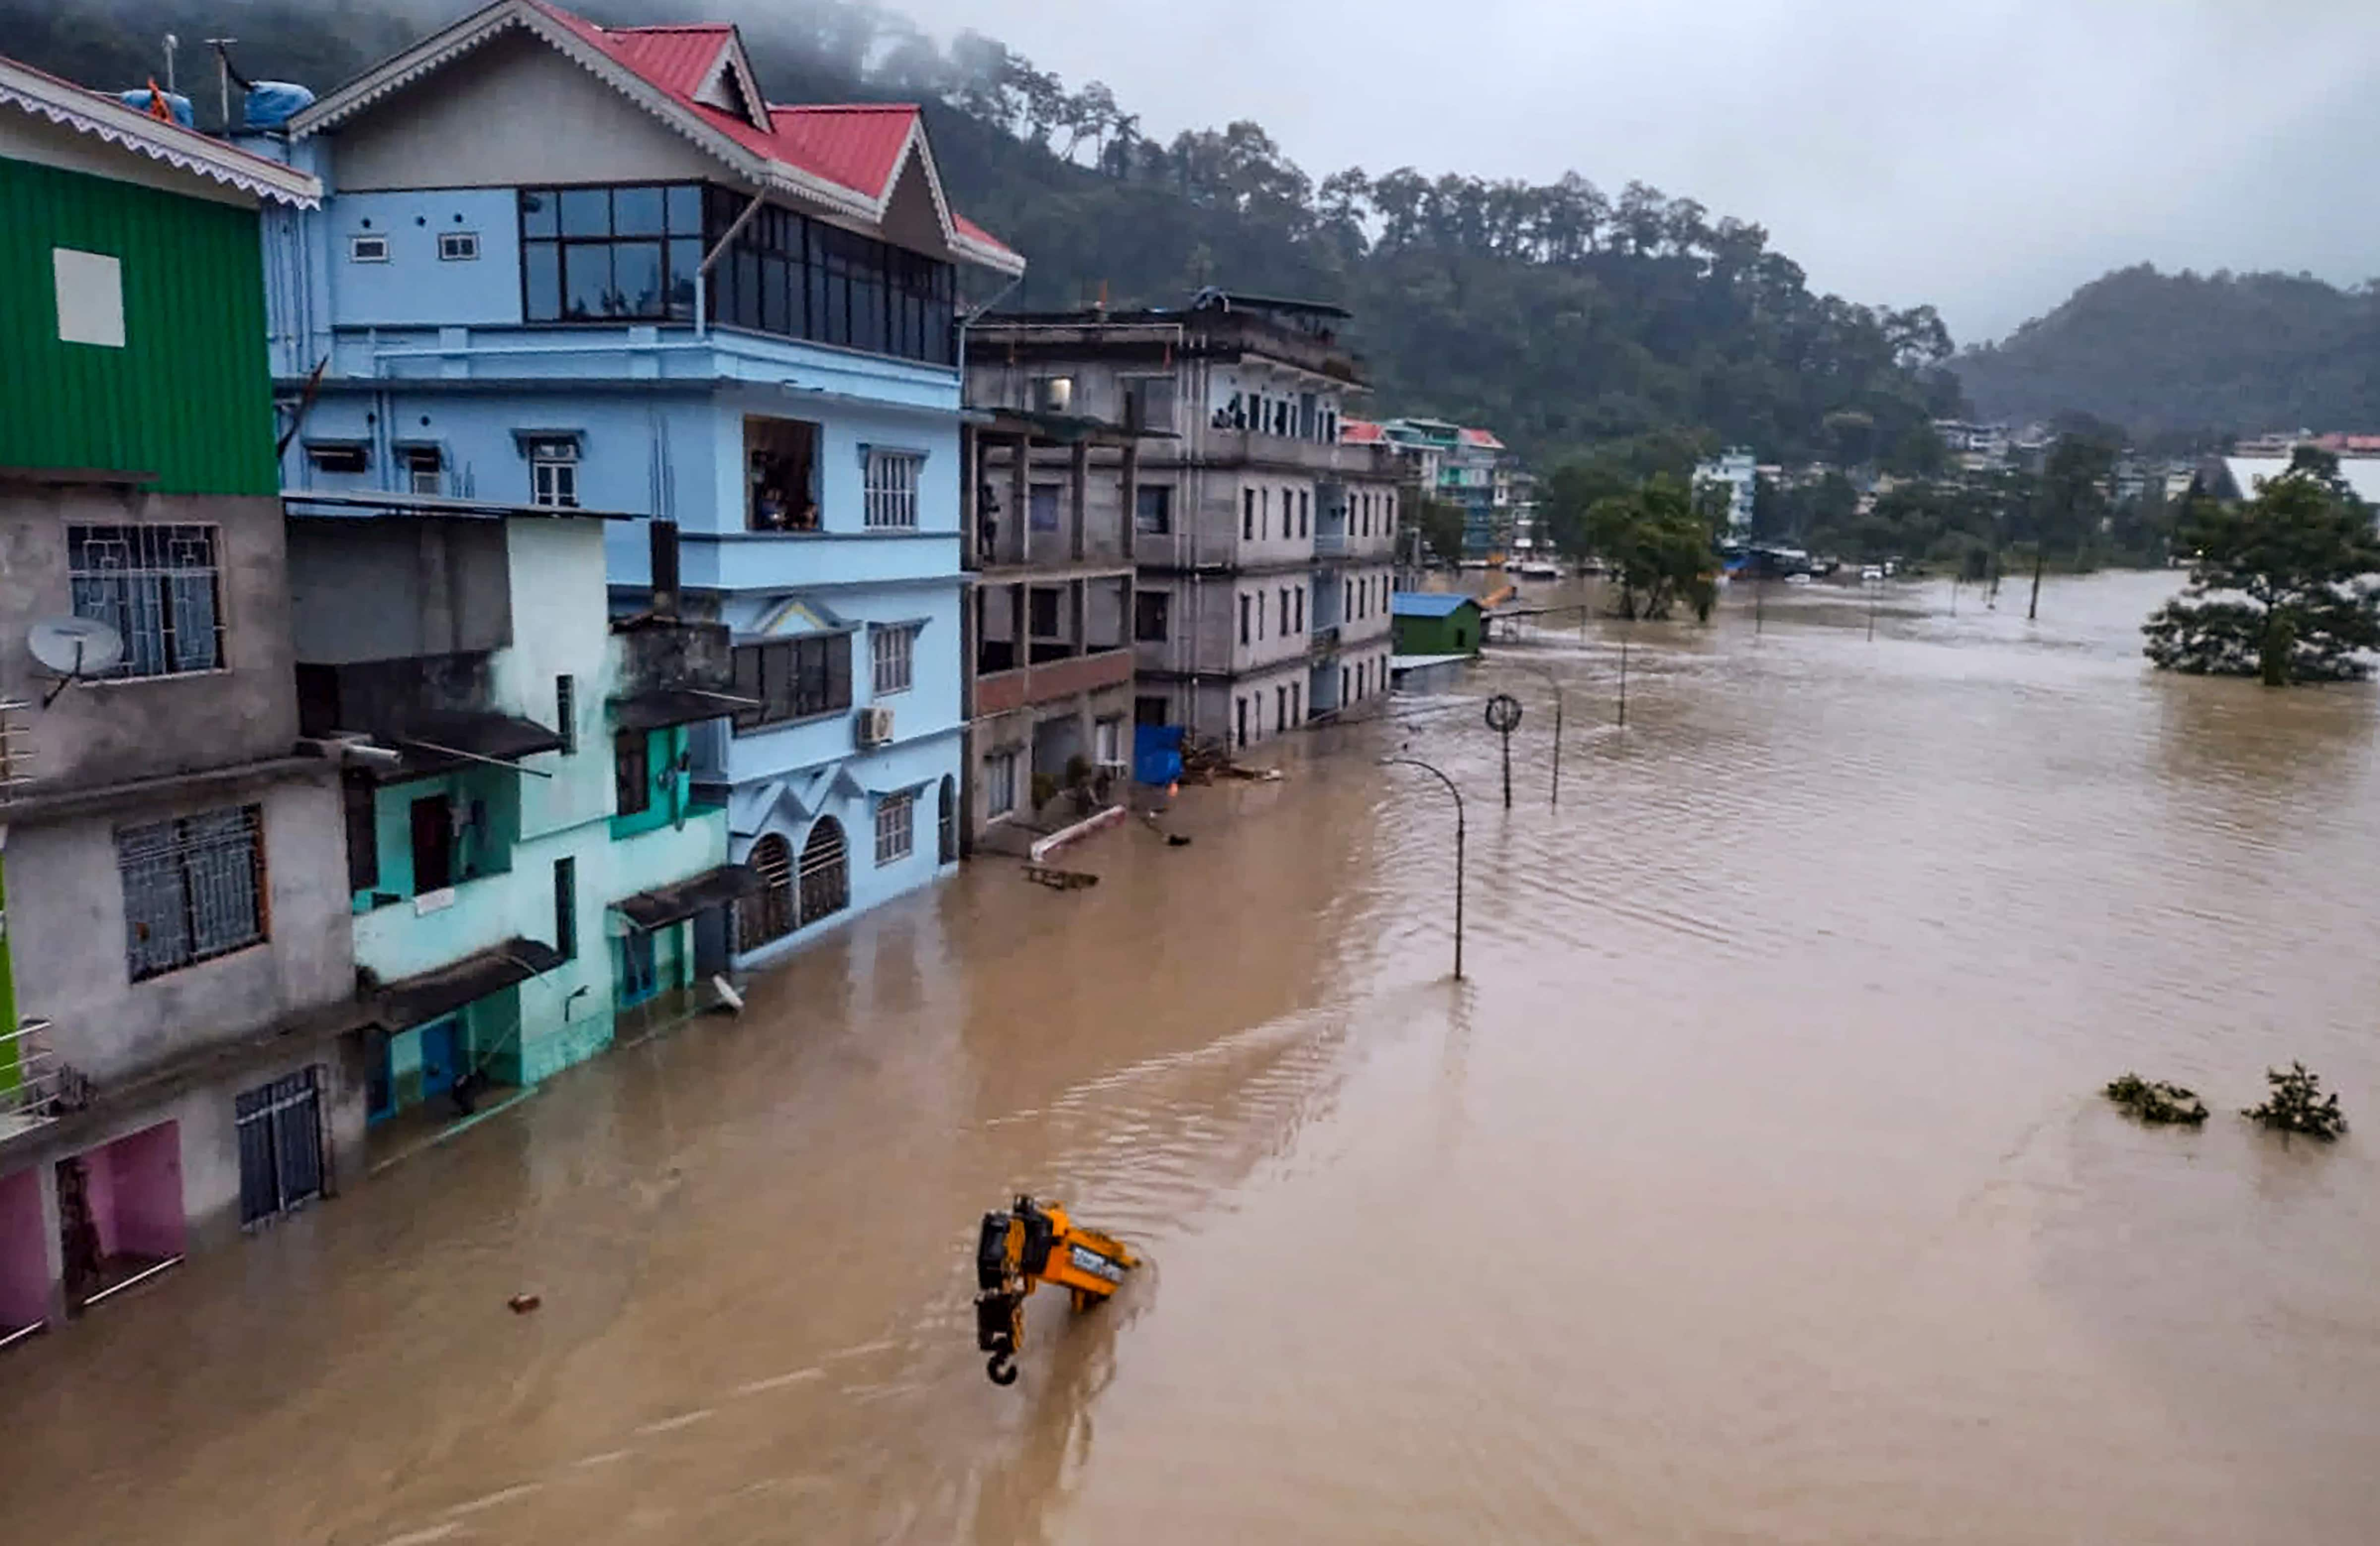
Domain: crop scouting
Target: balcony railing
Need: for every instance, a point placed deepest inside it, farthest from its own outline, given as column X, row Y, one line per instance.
column 1330, row 544
column 35, row 1087
column 1325, row 638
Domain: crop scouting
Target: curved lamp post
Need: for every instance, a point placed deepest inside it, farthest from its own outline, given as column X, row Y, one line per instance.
column 1417, row 762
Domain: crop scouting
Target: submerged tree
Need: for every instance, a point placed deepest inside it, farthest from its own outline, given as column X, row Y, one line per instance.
column 2280, row 587
column 1659, row 544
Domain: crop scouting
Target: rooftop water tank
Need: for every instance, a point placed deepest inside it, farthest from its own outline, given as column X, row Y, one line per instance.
column 179, row 106
column 272, row 103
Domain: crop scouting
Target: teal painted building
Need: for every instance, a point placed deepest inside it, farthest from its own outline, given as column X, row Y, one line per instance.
column 528, row 862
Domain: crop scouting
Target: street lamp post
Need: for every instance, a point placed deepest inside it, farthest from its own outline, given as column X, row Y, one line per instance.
column 1554, row 682
column 1417, row 762
column 1504, row 717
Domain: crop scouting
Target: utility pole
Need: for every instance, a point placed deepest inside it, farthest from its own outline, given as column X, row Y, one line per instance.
column 1417, row 762
column 172, row 42
column 222, row 78
column 1627, row 627
column 1555, row 683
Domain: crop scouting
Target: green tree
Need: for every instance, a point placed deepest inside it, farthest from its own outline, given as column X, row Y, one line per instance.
column 1441, row 529
column 2280, row 587
column 2072, row 503
column 1660, row 545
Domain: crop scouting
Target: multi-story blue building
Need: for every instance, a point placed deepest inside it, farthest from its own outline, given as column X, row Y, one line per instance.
column 558, row 264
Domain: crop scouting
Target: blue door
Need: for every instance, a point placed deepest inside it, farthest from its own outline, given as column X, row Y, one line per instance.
column 442, row 1045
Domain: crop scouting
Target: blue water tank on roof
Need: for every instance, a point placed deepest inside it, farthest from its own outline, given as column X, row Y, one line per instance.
column 272, row 103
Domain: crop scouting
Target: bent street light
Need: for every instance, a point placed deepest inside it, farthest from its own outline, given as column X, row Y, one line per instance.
column 1554, row 682
column 1417, row 762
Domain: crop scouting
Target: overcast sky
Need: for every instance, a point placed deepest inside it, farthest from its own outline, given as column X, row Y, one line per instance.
column 1986, row 156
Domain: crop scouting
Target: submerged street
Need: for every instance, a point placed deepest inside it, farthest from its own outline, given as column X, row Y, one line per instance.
column 1754, row 1187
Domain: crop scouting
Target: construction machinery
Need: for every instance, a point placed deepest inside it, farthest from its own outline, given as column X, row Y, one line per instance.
column 1029, row 1245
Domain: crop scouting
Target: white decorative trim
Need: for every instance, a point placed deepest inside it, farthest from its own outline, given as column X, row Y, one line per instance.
column 185, row 149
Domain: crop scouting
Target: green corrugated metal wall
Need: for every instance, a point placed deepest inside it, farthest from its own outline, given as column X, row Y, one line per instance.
column 189, row 396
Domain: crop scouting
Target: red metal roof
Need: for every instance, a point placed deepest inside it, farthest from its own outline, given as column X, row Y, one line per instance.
column 1361, row 432
column 1480, row 437
column 859, row 146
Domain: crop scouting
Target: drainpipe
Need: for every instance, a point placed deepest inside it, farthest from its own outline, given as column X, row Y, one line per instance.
column 702, row 274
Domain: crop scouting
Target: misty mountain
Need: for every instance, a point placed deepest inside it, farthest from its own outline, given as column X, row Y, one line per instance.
column 1559, row 314
column 2167, row 354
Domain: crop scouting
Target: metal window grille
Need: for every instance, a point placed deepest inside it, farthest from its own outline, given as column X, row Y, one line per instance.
column 155, row 585
column 892, row 491
column 826, row 875
column 280, row 1128
column 890, row 652
column 771, row 915
column 895, row 827
column 1000, row 783
column 424, row 469
column 193, row 888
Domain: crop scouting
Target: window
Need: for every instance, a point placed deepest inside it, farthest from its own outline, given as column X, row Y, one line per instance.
column 553, row 472
column 1248, row 515
column 1244, row 617
column 458, row 247
column 339, row 455
column 947, row 827
column 1041, row 507
column 891, row 489
column 1284, row 609
column 424, row 469
column 1152, row 617
column 1042, row 605
column 1279, row 707
column 593, row 254
column 1148, row 708
column 631, row 772
column 826, row 874
column 1240, row 716
column 1107, row 743
column 1297, row 702
column 896, row 817
column 790, row 275
column 565, row 713
column 769, row 915
column 1264, row 515
column 1305, row 513
column 1346, row 685
column 90, row 290
column 432, row 824
column 889, row 654
column 1301, row 611
column 1149, row 404
column 781, row 474
column 793, row 678
column 157, row 586
column 1153, row 508
column 367, row 250
column 1000, row 783
column 565, row 907
column 193, row 888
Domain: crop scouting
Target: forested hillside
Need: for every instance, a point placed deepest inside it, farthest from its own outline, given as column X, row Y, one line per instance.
column 2167, row 354
column 1561, row 314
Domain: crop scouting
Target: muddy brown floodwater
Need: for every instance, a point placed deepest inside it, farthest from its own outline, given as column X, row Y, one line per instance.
column 1754, row 1189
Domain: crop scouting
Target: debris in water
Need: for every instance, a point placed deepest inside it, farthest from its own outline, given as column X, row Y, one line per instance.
column 1058, row 880
column 1175, row 840
column 2298, row 1105
column 523, row 1303
column 2156, row 1102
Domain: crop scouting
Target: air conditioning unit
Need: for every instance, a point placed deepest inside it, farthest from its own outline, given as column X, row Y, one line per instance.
column 875, row 727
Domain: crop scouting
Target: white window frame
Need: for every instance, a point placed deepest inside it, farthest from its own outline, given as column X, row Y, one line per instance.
column 1000, row 783
column 896, row 827
column 1106, row 742
column 553, row 472
column 414, row 470
column 368, row 247
column 889, row 494
column 458, row 247
column 891, row 659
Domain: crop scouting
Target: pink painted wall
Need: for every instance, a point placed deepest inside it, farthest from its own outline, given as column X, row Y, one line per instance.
column 136, row 1192
column 24, row 1252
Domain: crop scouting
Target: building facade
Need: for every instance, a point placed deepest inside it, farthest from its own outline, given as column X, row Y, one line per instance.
column 1735, row 472
column 1468, row 468
column 1055, row 506
column 180, row 1037
column 563, row 265
column 1262, row 544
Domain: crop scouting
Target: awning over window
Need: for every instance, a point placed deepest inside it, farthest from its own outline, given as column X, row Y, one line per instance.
column 435, row 743
column 668, row 706
column 671, row 904
column 410, row 1001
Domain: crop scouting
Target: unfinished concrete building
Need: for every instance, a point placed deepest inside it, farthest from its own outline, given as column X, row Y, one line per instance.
column 1262, row 544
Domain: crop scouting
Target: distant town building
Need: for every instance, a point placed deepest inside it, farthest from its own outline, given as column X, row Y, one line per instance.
column 1737, row 471
column 1262, row 540
column 181, row 1041
column 1469, row 469
column 2236, row 478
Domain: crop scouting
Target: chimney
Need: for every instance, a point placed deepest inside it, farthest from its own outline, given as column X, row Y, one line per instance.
column 664, row 568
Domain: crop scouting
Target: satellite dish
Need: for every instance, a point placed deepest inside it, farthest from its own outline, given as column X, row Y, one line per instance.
column 74, row 648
